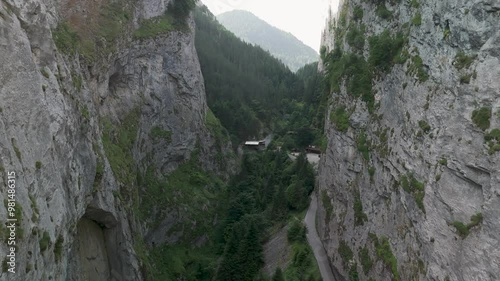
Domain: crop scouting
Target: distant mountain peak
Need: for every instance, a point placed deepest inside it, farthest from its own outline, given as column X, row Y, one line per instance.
column 281, row 44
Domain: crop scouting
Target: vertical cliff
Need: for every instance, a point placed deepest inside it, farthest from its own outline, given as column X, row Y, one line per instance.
column 97, row 100
column 409, row 184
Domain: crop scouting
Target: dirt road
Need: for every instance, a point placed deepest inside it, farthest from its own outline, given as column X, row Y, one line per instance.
column 319, row 252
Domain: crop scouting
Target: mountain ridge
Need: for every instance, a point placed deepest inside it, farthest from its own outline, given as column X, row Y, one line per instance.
column 281, row 44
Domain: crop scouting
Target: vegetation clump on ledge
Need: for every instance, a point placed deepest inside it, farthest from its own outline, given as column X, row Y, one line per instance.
column 417, row 19
column 411, row 185
column 355, row 71
column 386, row 50
column 325, row 200
column 356, row 37
column 416, row 67
column 493, row 140
column 464, row 230
column 153, row 27
column 44, row 241
column 363, row 145
column 65, row 38
column 340, row 117
column 463, row 61
column 383, row 12
column 173, row 19
column 384, row 252
column 159, row 134
column 481, row 117
column 345, row 252
column 357, row 13
column 109, row 26
column 366, row 260
column 443, row 162
column 426, row 128
column 359, row 215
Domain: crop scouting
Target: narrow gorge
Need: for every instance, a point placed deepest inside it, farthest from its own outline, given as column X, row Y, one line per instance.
column 123, row 126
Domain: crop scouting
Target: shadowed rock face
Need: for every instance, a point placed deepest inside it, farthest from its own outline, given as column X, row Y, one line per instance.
column 450, row 158
column 91, row 259
column 55, row 111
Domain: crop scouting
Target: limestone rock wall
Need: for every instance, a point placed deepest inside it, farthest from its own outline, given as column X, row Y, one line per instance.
column 58, row 115
column 421, row 132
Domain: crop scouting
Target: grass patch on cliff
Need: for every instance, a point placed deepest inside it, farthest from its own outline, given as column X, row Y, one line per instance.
column 463, row 61
column 363, row 145
column 359, row 216
column 118, row 141
column 371, row 172
column 77, row 81
column 93, row 39
column 340, row 118
column 383, row 12
column 34, row 208
column 325, row 199
column 384, row 253
column 66, row 38
column 493, row 140
column 345, row 253
column 158, row 134
column 481, row 117
column 357, row 13
column 416, row 68
column 382, row 147
column 354, row 71
column 386, row 50
column 417, row 19
column 463, row 230
column 426, row 128
column 366, row 260
column 153, row 27
column 58, row 247
column 44, row 242
column 16, row 149
column 417, row 189
column 173, row 19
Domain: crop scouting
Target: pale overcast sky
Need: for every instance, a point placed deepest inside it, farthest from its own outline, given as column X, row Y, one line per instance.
column 303, row 18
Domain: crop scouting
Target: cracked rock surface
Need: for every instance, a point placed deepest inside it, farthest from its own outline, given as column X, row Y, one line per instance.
column 54, row 109
column 451, row 159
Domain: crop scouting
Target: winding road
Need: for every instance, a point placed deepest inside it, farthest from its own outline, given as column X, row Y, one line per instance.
column 327, row 274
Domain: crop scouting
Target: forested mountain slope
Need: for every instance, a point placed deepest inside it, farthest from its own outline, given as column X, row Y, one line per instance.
column 250, row 91
column 282, row 45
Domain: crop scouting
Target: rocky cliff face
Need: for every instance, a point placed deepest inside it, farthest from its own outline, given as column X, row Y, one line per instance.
column 409, row 184
column 85, row 110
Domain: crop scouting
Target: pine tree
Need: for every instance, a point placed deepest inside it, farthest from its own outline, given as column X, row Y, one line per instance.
column 278, row 275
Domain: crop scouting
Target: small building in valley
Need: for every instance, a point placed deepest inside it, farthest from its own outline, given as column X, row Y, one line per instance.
column 313, row 149
column 257, row 145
